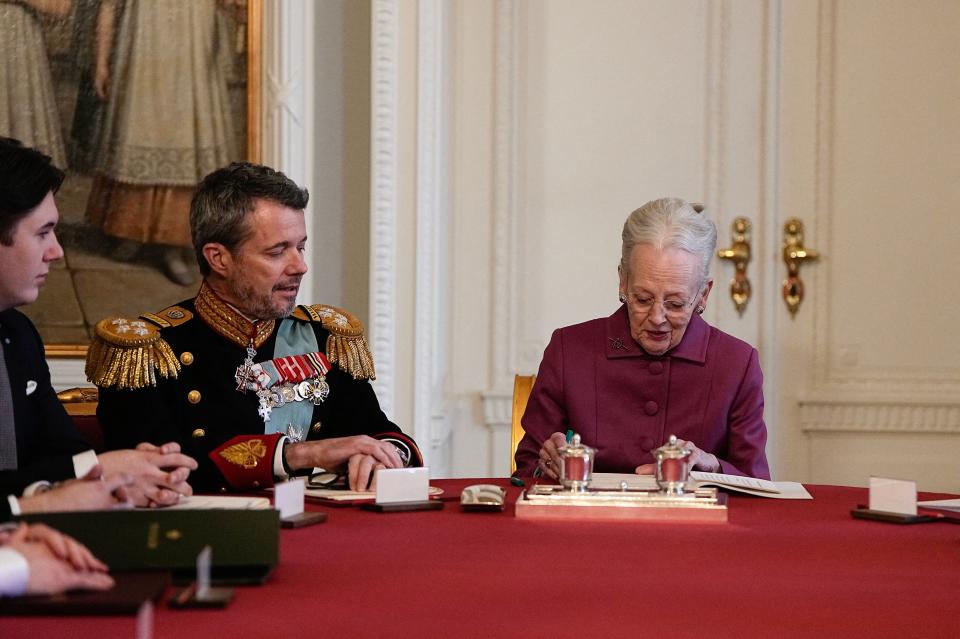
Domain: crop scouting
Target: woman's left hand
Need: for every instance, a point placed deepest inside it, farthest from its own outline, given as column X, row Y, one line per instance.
column 698, row 460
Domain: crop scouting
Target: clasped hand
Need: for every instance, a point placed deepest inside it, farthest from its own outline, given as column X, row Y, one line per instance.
column 159, row 472
column 57, row 562
column 93, row 491
column 361, row 456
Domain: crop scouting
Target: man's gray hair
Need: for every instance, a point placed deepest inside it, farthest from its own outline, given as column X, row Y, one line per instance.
column 224, row 199
column 671, row 222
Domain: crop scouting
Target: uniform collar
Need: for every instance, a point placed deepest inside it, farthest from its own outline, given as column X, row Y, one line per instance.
column 620, row 343
column 226, row 320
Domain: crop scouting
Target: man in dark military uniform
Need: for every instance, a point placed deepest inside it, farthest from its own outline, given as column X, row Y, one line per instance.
column 253, row 388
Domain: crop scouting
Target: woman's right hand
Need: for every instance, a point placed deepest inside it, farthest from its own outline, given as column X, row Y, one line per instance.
column 549, row 462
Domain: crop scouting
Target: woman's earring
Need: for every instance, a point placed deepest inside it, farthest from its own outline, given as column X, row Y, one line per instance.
column 623, row 298
column 701, row 309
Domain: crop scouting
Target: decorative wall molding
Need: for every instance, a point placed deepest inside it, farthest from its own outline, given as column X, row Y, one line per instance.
column 879, row 417
column 915, row 381
column 715, row 105
column 431, row 328
column 384, row 198
column 287, row 97
column 498, row 418
column 505, row 222
column 822, row 187
column 497, row 409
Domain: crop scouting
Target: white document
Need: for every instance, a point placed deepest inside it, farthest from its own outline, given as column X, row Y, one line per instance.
column 396, row 485
column 893, row 495
column 749, row 485
column 220, row 502
column 339, row 494
column 953, row 505
column 288, row 497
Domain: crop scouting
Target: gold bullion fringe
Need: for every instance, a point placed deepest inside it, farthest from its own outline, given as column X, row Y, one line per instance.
column 130, row 366
column 352, row 354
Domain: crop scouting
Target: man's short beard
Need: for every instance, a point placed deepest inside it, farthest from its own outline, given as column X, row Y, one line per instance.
column 257, row 305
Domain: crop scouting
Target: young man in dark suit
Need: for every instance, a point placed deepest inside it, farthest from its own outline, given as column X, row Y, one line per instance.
column 45, row 465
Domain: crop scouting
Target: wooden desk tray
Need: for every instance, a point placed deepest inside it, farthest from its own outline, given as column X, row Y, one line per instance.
column 705, row 505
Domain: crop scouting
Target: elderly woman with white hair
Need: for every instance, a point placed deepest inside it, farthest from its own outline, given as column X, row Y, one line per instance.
column 654, row 368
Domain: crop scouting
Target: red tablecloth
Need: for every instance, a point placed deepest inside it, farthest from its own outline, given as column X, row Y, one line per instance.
column 777, row 569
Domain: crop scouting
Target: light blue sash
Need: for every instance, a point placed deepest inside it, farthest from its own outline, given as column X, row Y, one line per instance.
column 293, row 338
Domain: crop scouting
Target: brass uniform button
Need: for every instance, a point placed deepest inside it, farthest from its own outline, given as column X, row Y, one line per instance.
column 199, row 432
column 256, row 484
column 193, row 397
column 223, row 489
column 316, row 427
column 186, row 358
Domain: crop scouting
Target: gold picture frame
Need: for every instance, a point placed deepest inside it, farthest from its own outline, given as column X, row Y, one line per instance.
column 244, row 20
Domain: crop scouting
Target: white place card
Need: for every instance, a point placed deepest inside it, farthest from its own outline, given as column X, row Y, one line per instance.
column 145, row 621
column 893, row 495
column 288, row 497
column 395, row 485
column 204, row 559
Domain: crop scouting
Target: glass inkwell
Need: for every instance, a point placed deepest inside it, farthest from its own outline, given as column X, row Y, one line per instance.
column 576, row 465
column 672, row 467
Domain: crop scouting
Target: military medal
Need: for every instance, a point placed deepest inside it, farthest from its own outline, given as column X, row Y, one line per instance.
column 282, row 380
column 295, row 433
column 314, row 390
column 243, row 371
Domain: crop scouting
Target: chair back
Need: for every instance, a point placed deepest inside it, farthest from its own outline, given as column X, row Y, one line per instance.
column 522, row 385
column 81, row 406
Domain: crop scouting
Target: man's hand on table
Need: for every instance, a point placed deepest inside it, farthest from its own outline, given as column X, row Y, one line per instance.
column 698, row 460
column 549, row 462
column 361, row 456
column 93, row 491
column 57, row 563
column 159, row 472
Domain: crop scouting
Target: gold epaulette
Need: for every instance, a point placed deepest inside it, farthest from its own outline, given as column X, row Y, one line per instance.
column 346, row 346
column 128, row 354
column 170, row 316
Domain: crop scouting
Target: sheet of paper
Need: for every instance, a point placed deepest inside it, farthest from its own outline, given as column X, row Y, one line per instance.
column 788, row 490
column 893, row 495
column 952, row 505
column 221, row 502
column 775, row 490
column 736, row 480
column 397, row 485
column 288, row 497
column 337, row 494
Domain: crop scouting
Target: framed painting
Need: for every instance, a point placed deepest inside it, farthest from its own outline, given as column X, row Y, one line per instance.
column 136, row 100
